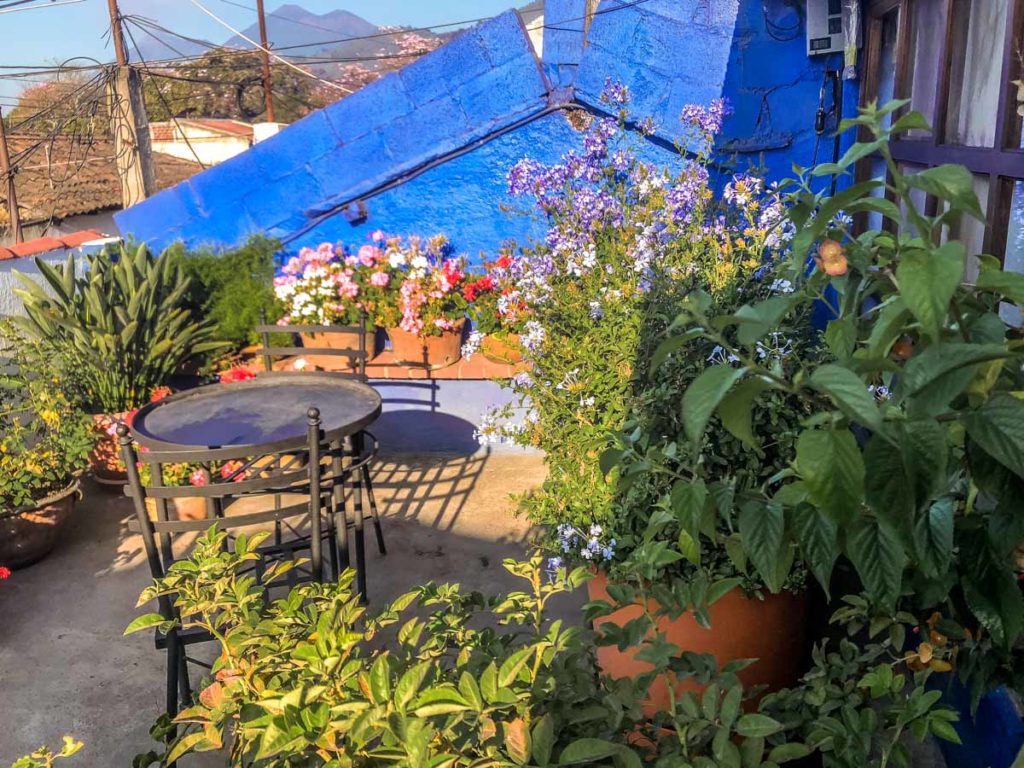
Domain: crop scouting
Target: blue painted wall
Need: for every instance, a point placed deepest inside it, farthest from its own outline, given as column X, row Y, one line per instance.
column 428, row 148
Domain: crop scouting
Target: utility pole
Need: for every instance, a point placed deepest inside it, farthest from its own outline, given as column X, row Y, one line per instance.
column 130, row 125
column 267, row 92
column 7, row 174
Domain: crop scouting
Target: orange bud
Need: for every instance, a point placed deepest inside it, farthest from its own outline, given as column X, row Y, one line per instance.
column 903, row 349
column 831, row 258
column 925, row 652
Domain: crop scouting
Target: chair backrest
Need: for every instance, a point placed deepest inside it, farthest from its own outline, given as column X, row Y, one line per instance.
column 229, row 477
column 357, row 355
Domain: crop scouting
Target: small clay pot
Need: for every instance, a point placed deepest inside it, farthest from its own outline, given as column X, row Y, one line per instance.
column 505, row 348
column 772, row 631
column 105, row 457
column 28, row 536
column 431, row 352
column 340, row 340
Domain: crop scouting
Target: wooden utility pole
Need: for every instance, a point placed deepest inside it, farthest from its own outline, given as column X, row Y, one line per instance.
column 7, row 175
column 267, row 92
column 131, row 128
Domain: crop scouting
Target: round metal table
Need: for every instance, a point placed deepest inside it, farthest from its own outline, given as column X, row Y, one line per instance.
column 268, row 412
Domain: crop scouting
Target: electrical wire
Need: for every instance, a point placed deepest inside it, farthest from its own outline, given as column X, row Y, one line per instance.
column 267, row 51
column 9, row 8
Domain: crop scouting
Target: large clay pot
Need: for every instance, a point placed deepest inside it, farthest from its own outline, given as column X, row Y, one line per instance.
column 339, row 340
column 183, row 508
column 772, row 631
column 105, row 458
column 427, row 351
column 29, row 535
column 505, row 348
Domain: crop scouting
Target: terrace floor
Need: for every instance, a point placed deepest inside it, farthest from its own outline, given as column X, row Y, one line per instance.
column 66, row 668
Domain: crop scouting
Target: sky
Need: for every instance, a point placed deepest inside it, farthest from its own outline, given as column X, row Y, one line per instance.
column 49, row 35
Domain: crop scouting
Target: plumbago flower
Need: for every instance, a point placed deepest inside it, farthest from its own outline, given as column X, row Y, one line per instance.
column 627, row 238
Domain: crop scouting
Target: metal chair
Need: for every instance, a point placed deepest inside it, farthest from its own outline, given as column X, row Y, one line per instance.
column 360, row 449
column 312, row 473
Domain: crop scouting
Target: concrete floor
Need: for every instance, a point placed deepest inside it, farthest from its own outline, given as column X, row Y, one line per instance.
column 66, row 668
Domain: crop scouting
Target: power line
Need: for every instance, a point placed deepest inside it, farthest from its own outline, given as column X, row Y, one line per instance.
column 9, row 8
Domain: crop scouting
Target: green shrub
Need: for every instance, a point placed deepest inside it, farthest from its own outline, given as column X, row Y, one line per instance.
column 463, row 678
column 118, row 320
column 230, row 289
column 44, row 757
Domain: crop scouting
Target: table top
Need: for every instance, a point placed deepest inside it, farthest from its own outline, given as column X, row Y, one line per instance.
column 268, row 411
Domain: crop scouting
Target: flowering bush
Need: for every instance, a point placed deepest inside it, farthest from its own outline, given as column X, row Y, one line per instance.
column 496, row 305
column 44, row 441
column 626, row 241
column 324, row 286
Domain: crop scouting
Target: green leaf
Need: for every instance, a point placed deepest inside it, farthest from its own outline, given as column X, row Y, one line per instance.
column 928, row 281
column 440, row 701
column 879, row 558
column 755, row 320
column 949, row 182
column 933, row 538
column 735, row 410
column 995, row 599
column 543, row 740
column 912, row 121
column 998, row 427
column 145, row 621
column 841, row 337
column 832, row 468
column 730, row 708
column 587, row 751
column 689, row 548
column 762, row 526
column 704, row 395
column 510, row 668
column 1009, row 284
column 849, row 393
column 380, row 679
column 757, row 726
column 409, row 684
column 931, row 379
column 786, row 752
column 818, row 538
column 688, row 500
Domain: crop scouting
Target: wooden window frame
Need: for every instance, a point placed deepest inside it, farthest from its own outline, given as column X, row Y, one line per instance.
column 1001, row 163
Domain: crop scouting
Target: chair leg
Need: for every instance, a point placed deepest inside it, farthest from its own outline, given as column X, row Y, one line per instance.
column 357, row 519
column 332, row 550
column 368, row 483
column 339, row 503
column 173, row 671
column 184, row 685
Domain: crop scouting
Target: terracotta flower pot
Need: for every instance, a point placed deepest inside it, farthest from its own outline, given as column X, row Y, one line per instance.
column 339, row 340
column 427, row 351
column 184, row 508
column 770, row 630
column 502, row 349
column 105, row 457
column 29, row 535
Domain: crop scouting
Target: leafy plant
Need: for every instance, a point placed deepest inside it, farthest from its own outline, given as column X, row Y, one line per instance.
column 910, row 458
column 118, row 319
column 305, row 680
column 231, row 289
column 44, row 440
column 624, row 239
column 44, row 757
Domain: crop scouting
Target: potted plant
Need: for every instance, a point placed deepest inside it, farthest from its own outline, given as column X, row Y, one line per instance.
column 118, row 322
column 418, row 299
column 497, row 311
column 43, row 451
column 326, row 286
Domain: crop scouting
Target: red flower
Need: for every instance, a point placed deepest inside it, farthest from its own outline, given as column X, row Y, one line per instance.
column 5, row 572
column 504, row 261
column 238, row 373
column 159, row 394
column 474, row 289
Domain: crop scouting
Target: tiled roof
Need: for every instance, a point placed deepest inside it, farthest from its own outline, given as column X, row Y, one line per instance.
column 165, row 131
column 63, row 178
column 47, row 244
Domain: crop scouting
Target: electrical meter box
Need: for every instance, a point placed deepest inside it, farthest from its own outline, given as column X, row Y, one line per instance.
column 825, row 26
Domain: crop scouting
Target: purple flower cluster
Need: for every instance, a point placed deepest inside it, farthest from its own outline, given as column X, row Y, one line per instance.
column 614, row 93
column 708, row 120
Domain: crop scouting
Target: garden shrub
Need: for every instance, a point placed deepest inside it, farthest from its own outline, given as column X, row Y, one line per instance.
column 232, row 288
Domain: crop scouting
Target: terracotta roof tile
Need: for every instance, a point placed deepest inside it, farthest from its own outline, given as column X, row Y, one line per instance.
column 47, row 244
column 65, row 178
column 225, row 126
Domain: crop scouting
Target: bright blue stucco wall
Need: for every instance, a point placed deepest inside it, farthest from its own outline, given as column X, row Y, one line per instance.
column 427, row 149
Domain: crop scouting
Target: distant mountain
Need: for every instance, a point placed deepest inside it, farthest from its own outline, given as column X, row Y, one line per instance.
column 151, row 49
column 292, row 25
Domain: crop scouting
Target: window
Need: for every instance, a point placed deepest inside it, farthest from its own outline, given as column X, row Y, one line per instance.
column 955, row 61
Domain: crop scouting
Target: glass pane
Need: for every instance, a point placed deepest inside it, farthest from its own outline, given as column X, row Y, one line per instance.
column 1014, row 261
column 971, row 231
column 887, row 61
column 979, row 28
column 878, row 171
column 929, row 21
